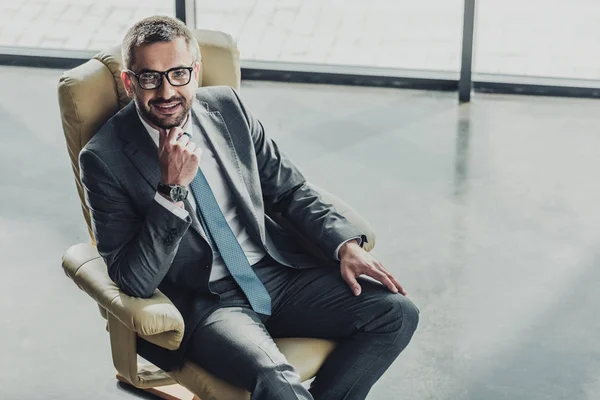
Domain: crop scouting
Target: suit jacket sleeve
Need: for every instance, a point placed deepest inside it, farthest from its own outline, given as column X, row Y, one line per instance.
column 285, row 190
column 138, row 247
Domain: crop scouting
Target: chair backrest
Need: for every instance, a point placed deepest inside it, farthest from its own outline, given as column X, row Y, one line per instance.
column 90, row 94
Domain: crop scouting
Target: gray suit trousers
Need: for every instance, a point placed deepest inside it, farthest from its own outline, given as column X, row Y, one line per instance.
column 235, row 344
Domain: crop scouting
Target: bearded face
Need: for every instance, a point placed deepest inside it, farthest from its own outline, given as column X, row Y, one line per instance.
column 168, row 104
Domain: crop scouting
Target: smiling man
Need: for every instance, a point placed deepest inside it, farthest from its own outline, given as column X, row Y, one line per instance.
column 180, row 185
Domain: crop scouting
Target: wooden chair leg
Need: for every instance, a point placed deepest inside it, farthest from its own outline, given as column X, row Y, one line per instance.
column 169, row 392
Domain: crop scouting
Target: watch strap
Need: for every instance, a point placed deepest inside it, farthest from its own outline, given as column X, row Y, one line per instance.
column 164, row 189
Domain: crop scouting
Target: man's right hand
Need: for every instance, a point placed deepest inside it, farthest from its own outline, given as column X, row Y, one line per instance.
column 178, row 157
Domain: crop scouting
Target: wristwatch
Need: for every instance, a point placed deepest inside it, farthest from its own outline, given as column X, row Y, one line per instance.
column 174, row 192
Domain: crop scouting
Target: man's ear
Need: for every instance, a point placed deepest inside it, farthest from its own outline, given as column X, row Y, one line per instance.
column 197, row 70
column 126, row 78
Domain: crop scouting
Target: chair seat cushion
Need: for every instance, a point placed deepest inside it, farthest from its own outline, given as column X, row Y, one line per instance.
column 305, row 354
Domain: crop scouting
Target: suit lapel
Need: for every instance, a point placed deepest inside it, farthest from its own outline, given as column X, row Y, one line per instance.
column 139, row 147
column 215, row 130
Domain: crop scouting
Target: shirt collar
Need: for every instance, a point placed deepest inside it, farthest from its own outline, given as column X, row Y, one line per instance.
column 154, row 134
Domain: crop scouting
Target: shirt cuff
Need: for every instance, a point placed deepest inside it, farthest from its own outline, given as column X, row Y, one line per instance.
column 337, row 251
column 180, row 212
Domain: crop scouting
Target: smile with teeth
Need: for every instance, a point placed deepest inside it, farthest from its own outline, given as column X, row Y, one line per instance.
column 166, row 107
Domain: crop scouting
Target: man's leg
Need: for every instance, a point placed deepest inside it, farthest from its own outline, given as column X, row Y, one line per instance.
column 233, row 344
column 371, row 329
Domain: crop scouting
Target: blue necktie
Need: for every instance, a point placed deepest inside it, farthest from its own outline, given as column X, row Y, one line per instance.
column 220, row 235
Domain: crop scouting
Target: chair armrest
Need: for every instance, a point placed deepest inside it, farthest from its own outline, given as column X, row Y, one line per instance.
column 155, row 319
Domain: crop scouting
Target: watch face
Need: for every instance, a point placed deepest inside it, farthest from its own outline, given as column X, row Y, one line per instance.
column 178, row 193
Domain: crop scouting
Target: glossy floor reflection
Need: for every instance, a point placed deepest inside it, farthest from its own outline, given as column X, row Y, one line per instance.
column 487, row 213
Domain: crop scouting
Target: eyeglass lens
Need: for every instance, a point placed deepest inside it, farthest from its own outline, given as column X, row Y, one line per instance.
column 176, row 77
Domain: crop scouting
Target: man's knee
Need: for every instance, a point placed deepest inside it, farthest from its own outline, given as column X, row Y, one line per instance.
column 410, row 314
column 399, row 314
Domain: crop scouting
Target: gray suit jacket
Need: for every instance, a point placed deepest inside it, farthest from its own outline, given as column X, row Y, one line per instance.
column 145, row 246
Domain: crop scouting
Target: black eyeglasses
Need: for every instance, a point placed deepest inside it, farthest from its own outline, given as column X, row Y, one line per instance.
column 149, row 80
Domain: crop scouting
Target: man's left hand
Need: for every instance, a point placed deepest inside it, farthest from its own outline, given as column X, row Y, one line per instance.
column 355, row 261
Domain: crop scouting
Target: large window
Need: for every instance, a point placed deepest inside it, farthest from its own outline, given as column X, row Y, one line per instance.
column 406, row 34
column 548, row 43
column 73, row 24
column 538, row 38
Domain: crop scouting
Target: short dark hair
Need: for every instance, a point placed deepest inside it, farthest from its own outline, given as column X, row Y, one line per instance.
column 153, row 30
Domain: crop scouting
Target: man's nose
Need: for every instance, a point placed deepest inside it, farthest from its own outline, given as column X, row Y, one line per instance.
column 166, row 90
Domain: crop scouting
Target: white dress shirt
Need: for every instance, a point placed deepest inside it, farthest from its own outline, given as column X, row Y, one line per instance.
column 214, row 175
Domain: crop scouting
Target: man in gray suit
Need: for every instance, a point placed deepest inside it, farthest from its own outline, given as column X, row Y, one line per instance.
column 182, row 184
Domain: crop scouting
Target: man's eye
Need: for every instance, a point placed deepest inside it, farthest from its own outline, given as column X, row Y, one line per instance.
column 148, row 77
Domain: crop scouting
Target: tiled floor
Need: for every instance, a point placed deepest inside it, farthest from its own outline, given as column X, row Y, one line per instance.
column 550, row 38
column 486, row 212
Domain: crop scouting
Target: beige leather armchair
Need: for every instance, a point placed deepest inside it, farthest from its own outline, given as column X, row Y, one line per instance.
column 88, row 96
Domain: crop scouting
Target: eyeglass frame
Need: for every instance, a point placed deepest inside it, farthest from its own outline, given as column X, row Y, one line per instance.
column 162, row 75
